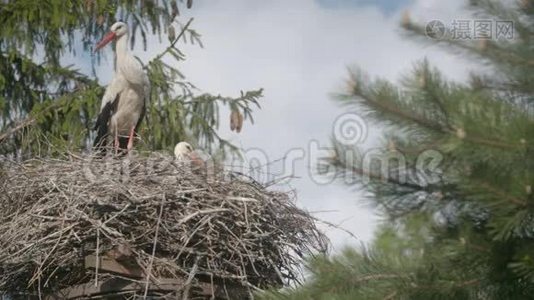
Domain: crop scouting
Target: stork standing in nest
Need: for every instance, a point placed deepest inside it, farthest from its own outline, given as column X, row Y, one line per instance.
column 123, row 104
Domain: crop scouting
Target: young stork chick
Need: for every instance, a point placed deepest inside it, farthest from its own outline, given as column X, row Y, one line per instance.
column 183, row 151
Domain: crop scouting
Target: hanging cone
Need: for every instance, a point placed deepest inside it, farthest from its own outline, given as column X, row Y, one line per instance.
column 421, row 81
column 460, row 133
column 406, row 20
column 483, row 45
column 100, row 20
column 89, row 5
column 171, row 33
column 233, row 120
column 239, row 122
column 392, row 147
column 236, row 121
column 174, row 9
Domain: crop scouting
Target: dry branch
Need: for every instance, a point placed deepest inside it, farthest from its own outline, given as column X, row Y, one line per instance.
column 223, row 231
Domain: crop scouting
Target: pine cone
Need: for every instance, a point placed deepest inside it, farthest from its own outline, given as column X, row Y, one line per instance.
column 421, row 81
column 236, row 121
column 89, row 5
column 460, row 133
column 233, row 120
column 100, row 20
column 174, row 9
column 483, row 45
column 392, row 146
column 171, row 33
column 239, row 122
column 406, row 20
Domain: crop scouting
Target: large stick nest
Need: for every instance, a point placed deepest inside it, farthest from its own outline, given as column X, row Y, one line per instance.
column 164, row 218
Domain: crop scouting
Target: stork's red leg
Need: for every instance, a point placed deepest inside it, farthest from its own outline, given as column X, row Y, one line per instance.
column 130, row 139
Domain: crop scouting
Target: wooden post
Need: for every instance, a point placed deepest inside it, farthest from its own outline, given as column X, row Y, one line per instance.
column 132, row 281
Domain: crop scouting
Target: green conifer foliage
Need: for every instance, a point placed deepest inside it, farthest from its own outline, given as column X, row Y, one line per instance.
column 47, row 106
column 465, row 231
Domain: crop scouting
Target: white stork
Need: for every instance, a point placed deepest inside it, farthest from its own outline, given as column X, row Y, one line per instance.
column 184, row 152
column 123, row 104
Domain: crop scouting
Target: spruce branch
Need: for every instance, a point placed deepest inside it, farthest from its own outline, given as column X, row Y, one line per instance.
column 492, row 190
column 31, row 119
column 412, row 116
column 376, row 177
column 173, row 44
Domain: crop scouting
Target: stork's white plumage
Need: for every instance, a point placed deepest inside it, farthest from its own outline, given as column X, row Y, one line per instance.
column 183, row 151
column 123, row 104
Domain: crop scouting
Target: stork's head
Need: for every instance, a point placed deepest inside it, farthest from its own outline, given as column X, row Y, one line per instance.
column 183, row 150
column 117, row 30
column 185, row 154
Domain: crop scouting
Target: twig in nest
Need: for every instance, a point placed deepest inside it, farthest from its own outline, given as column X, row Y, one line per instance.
column 97, row 255
column 187, row 285
column 149, row 271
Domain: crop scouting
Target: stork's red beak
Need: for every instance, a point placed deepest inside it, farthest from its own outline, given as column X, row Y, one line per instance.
column 108, row 38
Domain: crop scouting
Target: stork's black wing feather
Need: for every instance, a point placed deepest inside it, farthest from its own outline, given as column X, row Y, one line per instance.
column 102, row 124
column 141, row 117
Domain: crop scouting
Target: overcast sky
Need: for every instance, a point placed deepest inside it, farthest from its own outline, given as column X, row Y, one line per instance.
column 298, row 51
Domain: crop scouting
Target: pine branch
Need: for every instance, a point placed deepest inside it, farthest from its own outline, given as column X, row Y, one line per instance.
column 494, row 191
column 29, row 120
column 23, row 124
column 410, row 116
column 382, row 106
column 378, row 177
column 373, row 277
column 172, row 46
